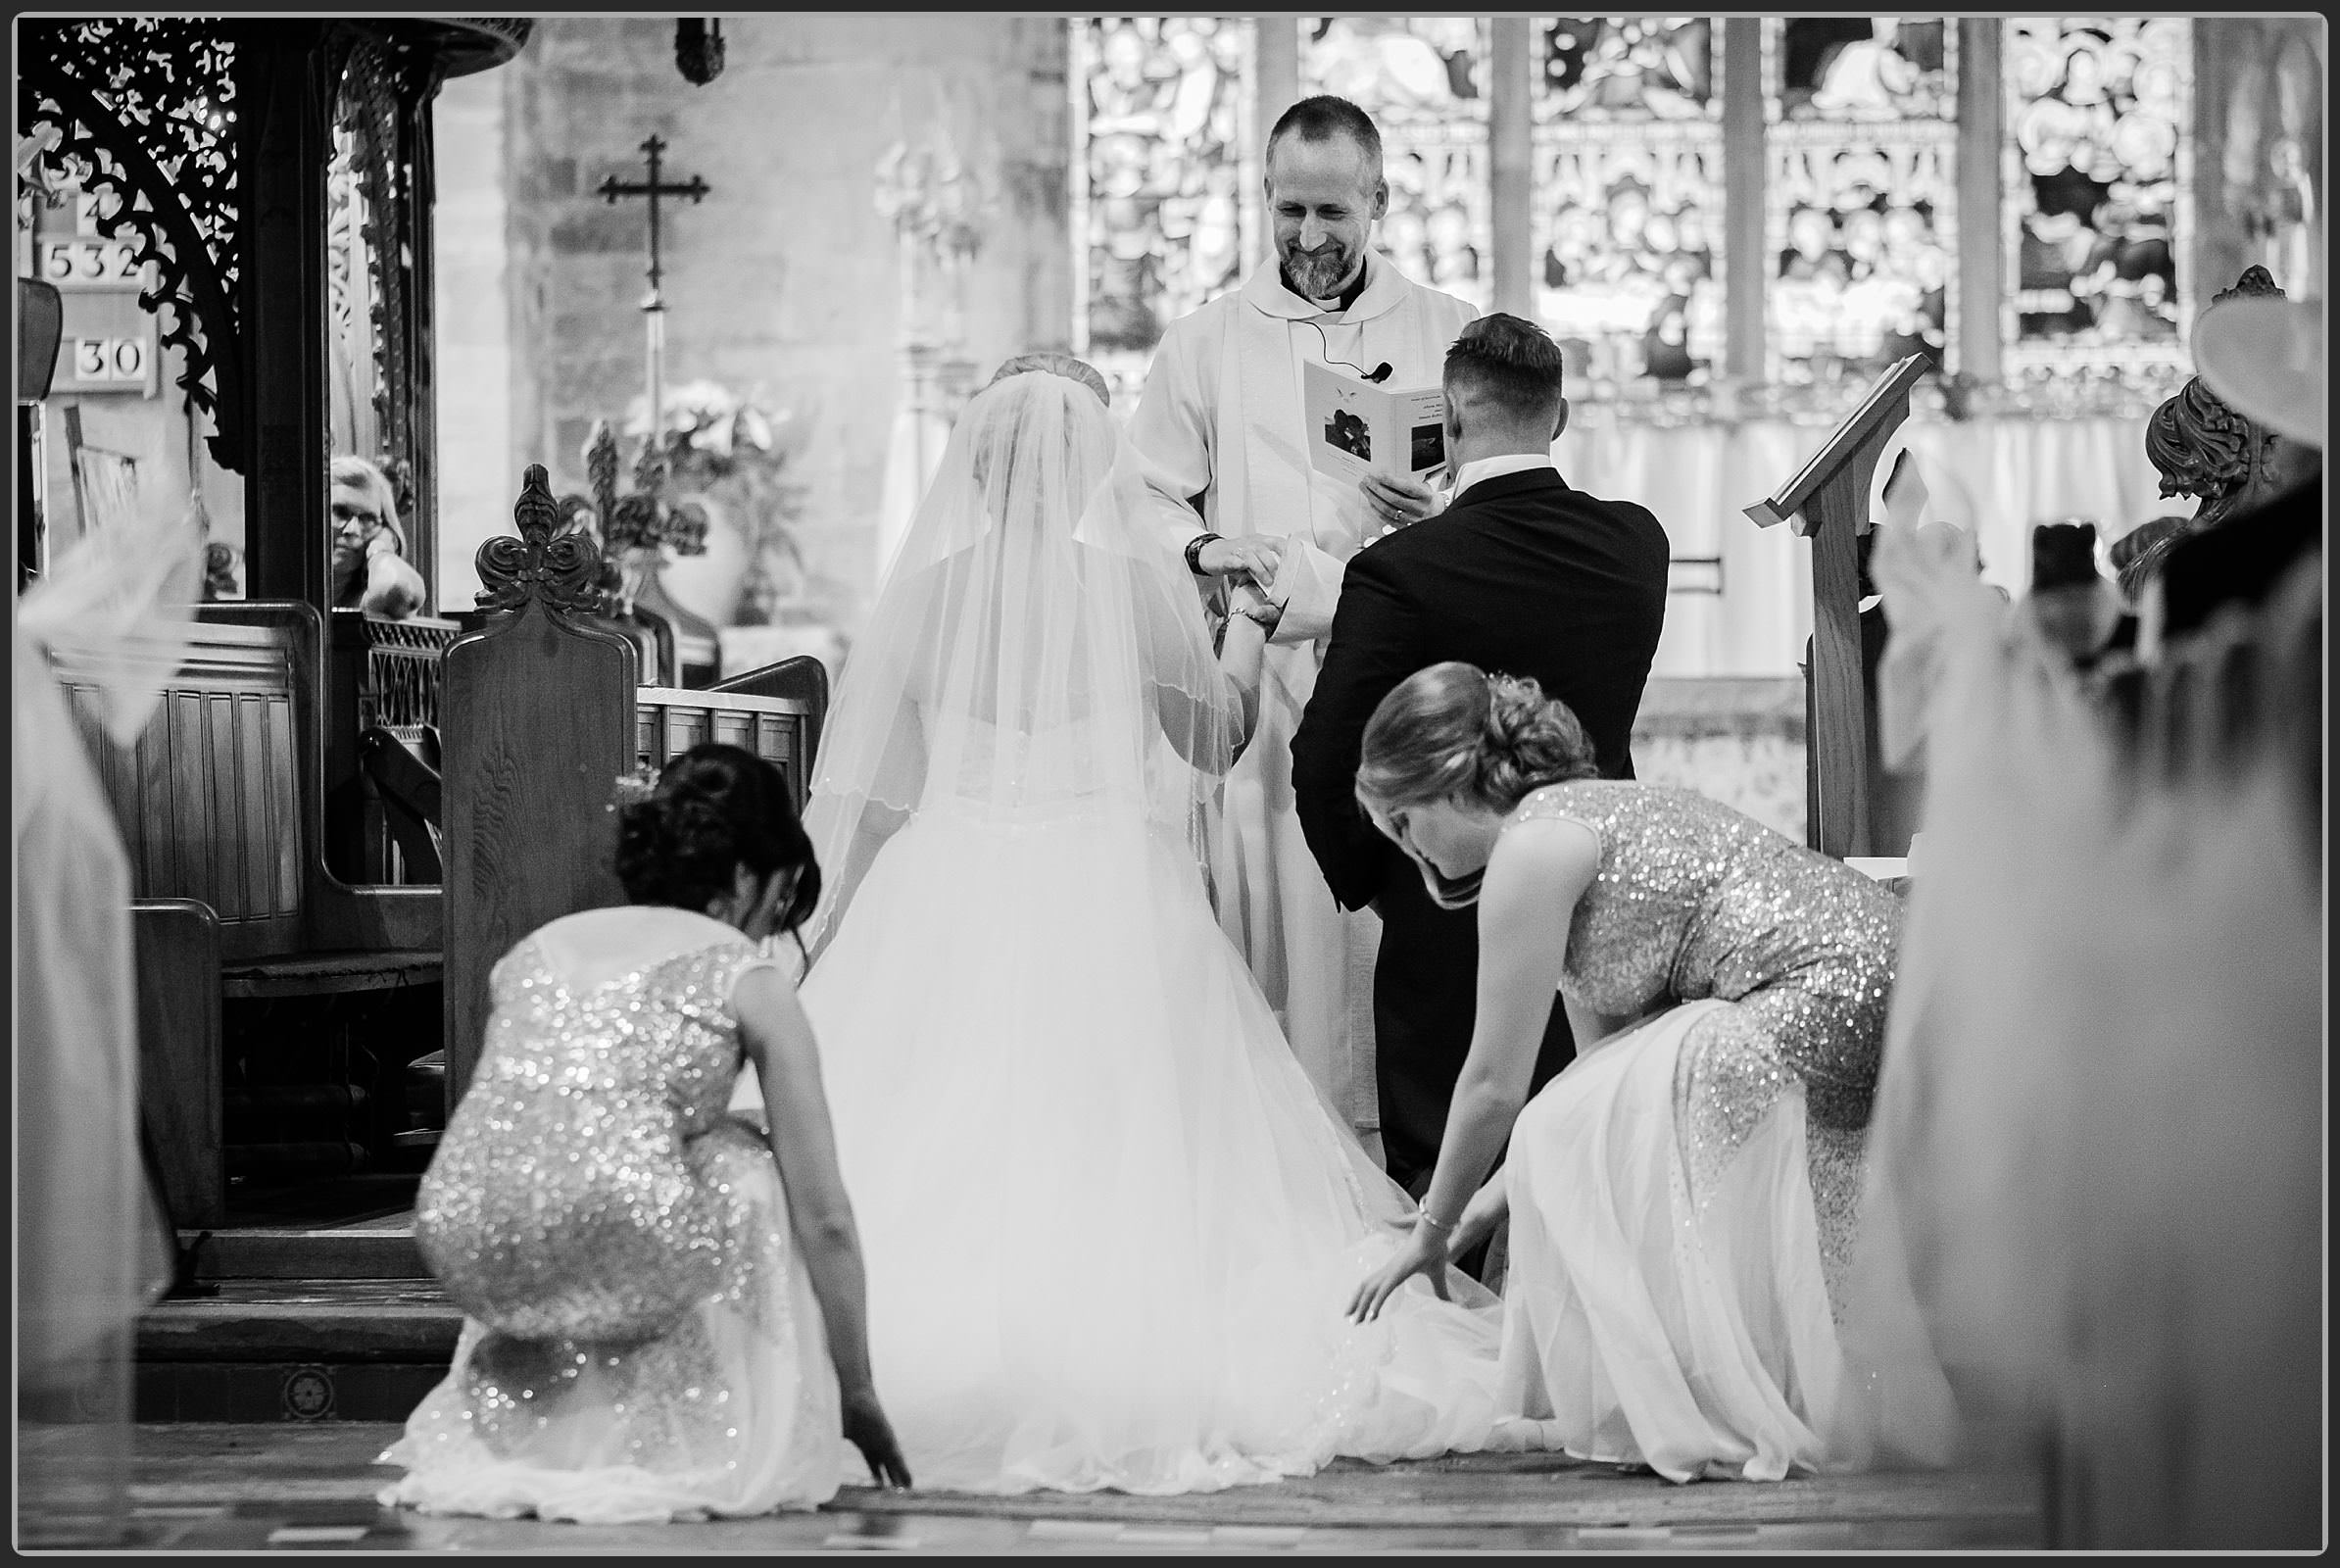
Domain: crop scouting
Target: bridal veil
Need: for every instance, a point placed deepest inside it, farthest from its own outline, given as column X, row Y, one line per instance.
column 1033, row 644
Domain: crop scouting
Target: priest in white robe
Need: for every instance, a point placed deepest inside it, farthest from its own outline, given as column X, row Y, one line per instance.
column 1220, row 426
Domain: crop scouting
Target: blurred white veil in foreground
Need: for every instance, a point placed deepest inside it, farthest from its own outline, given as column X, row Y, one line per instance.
column 2097, row 1148
column 113, row 618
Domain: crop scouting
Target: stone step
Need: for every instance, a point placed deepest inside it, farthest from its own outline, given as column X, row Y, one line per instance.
column 289, row 1320
column 262, row 1350
column 384, row 1251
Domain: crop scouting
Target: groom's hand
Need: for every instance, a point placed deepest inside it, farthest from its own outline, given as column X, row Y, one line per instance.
column 1254, row 605
column 1253, row 555
column 1399, row 500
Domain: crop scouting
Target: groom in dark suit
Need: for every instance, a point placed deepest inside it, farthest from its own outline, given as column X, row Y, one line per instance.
column 1520, row 575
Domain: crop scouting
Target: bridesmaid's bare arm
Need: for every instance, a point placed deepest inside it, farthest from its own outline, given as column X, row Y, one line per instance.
column 777, row 1038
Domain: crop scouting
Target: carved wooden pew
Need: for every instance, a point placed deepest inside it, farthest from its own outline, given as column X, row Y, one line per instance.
column 670, row 720
column 218, row 806
column 380, row 674
column 541, row 714
column 803, row 677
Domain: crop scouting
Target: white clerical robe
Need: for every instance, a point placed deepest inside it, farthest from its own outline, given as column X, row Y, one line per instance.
column 1220, row 423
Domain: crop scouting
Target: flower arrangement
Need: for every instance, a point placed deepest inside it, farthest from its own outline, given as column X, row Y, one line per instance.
column 634, row 529
column 715, row 457
column 740, row 453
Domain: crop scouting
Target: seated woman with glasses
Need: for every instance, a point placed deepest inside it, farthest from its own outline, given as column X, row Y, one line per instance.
column 370, row 566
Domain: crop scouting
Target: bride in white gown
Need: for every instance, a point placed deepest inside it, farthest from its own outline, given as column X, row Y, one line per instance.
column 1109, row 1226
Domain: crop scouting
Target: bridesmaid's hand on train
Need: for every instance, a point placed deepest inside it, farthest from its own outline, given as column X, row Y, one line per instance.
column 1488, row 1208
column 867, row 1429
column 1423, row 1251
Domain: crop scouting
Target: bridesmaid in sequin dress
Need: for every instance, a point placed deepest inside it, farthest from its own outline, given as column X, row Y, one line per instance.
column 1682, row 1197
column 663, row 1310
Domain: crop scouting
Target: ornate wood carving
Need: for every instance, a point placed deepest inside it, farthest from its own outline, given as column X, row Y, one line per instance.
column 381, row 79
column 559, row 570
column 147, row 110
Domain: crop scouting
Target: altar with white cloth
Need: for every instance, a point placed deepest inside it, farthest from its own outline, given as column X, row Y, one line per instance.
column 1742, row 603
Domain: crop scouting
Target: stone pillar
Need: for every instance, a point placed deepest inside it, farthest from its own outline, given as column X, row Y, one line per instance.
column 1511, row 163
column 478, row 466
column 1746, row 266
column 1275, row 88
column 1981, row 239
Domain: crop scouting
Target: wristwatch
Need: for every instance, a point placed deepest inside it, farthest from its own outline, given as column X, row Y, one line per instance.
column 1194, row 552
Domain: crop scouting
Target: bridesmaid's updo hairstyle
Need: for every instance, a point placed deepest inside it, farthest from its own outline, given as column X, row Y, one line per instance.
column 714, row 810
column 1455, row 732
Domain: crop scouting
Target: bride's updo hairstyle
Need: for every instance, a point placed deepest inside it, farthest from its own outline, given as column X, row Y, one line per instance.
column 714, row 810
column 1453, row 733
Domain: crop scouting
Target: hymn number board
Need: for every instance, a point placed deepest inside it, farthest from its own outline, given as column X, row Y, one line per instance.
column 109, row 339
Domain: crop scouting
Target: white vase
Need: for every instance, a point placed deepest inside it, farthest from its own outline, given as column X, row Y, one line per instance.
column 709, row 585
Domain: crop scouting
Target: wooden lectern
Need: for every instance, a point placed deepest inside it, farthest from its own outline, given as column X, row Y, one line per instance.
column 1828, row 502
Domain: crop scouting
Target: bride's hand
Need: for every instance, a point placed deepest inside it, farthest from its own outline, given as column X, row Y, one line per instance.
column 1423, row 1251
column 1255, row 606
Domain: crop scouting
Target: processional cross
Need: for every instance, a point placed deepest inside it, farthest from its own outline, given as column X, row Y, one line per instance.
column 653, row 306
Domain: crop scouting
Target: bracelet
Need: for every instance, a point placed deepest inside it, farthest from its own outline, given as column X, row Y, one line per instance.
column 1194, row 552
column 1433, row 1222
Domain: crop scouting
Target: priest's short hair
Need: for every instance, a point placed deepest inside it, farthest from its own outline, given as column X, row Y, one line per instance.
column 1325, row 117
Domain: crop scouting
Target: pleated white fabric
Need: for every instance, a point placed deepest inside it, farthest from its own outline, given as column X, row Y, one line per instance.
column 1651, row 1324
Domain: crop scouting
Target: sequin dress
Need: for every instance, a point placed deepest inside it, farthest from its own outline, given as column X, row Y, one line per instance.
column 640, row 1339
column 1684, row 1195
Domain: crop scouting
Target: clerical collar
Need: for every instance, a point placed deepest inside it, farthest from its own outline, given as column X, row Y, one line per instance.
column 1348, row 296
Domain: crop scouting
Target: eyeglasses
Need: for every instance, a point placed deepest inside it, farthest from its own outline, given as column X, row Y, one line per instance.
column 356, row 521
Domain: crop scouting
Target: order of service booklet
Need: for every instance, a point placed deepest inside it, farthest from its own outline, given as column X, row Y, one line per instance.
column 1355, row 427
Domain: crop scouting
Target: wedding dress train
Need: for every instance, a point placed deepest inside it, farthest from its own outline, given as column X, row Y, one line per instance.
column 1110, row 1227
column 1109, row 1224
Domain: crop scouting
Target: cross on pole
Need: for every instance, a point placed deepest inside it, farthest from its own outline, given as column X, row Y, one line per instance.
column 654, row 305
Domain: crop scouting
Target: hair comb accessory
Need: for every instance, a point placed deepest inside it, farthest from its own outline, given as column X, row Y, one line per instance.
column 634, row 787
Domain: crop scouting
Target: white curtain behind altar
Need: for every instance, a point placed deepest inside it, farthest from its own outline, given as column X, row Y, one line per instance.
column 1995, row 476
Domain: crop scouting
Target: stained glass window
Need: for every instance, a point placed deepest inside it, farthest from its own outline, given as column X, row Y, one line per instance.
column 1424, row 80
column 2097, row 187
column 1165, row 202
column 1628, row 226
column 1860, row 194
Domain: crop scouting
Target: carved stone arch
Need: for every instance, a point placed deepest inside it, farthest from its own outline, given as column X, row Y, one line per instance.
column 146, row 110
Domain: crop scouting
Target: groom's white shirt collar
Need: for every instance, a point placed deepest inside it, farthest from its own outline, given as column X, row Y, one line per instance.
column 1496, row 468
column 1384, row 290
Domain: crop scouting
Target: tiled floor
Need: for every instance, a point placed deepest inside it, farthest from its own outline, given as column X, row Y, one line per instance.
column 247, row 1487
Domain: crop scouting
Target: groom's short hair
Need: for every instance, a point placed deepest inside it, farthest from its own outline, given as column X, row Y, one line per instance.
column 1324, row 118
column 1508, row 362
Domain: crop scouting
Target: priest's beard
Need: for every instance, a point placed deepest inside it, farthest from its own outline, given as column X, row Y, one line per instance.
column 1319, row 274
